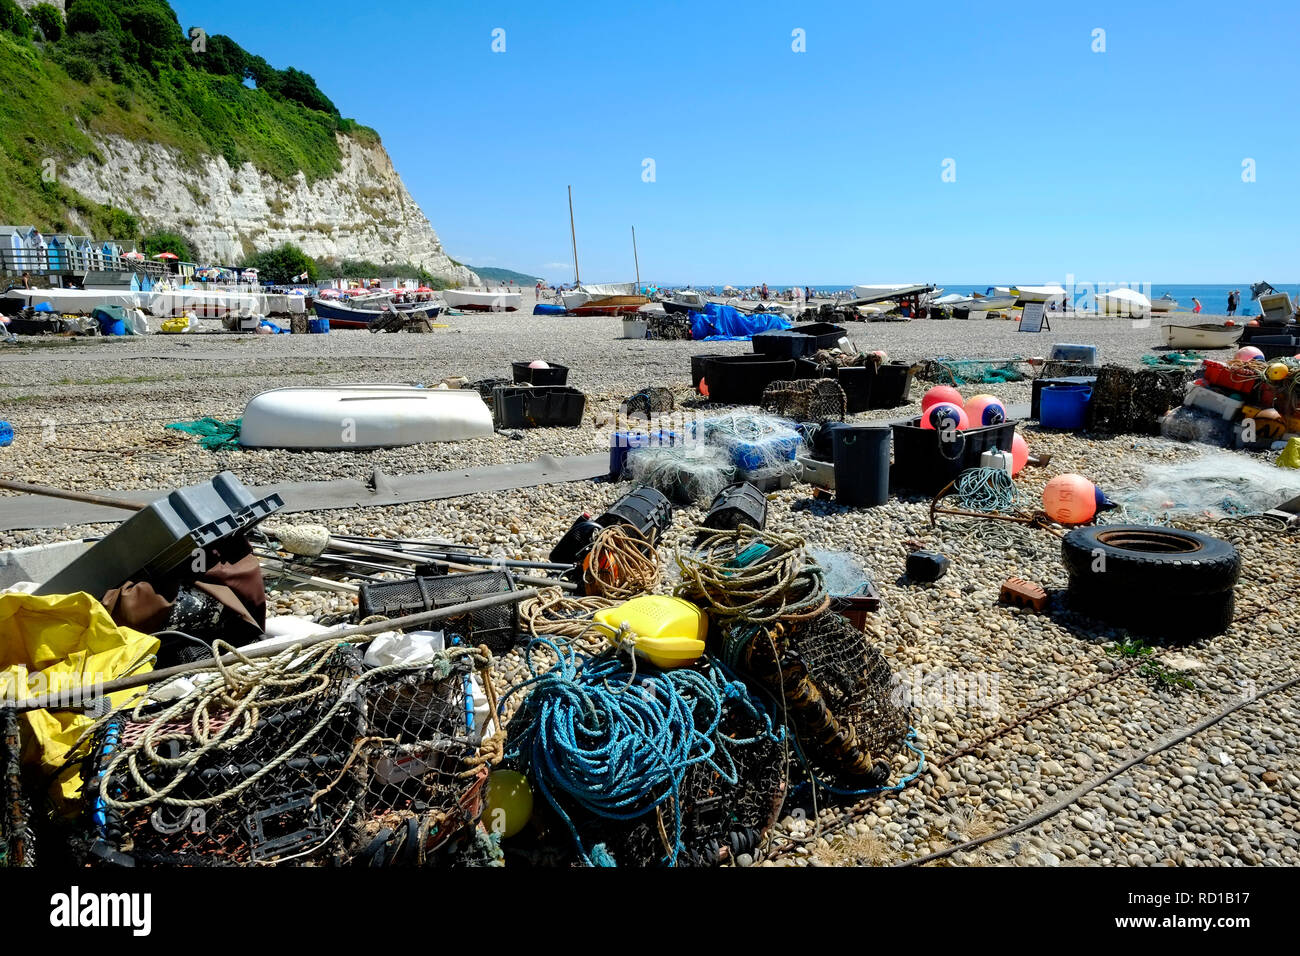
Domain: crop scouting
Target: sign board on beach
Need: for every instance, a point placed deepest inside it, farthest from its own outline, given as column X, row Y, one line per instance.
column 1032, row 318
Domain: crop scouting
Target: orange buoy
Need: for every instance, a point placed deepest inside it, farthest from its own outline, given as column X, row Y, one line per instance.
column 985, row 410
column 940, row 393
column 939, row 413
column 1019, row 454
column 1070, row 499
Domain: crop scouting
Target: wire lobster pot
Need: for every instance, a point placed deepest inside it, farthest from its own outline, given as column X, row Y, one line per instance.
column 837, row 692
column 322, row 763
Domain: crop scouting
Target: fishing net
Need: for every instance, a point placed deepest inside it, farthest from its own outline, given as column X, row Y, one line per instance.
column 827, row 360
column 213, row 433
column 1129, row 400
column 836, row 691
column 972, row 371
column 752, row 442
column 752, row 576
column 668, row 325
column 690, row 474
column 1216, row 485
column 806, row 400
column 1179, row 359
column 304, row 758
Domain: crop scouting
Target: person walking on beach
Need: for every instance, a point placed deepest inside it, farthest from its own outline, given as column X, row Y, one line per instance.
column 1198, row 304
column 764, row 292
column 1233, row 298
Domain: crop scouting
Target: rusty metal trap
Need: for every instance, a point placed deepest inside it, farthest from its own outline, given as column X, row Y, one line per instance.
column 305, row 758
column 806, row 400
column 836, row 690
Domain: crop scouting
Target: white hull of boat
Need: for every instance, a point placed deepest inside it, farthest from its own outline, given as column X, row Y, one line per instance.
column 1208, row 336
column 1163, row 305
column 1132, row 306
column 481, row 301
column 362, row 416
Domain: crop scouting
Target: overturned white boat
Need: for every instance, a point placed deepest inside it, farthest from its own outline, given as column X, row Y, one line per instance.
column 482, row 300
column 1166, row 303
column 362, row 416
column 1026, row 294
column 1123, row 302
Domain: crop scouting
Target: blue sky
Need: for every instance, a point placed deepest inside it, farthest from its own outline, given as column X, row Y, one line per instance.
column 825, row 166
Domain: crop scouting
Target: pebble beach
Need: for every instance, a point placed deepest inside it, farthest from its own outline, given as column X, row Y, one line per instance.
column 89, row 415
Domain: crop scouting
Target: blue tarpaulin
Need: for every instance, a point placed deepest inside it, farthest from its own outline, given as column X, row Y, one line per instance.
column 724, row 323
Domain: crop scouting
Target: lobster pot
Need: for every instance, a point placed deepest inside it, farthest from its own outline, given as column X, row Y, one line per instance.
column 806, row 400
column 360, row 767
column 497, row 627
column 840, row 698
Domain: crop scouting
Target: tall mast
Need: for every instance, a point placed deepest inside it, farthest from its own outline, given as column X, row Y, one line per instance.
column 574, row 233
column 635, row 262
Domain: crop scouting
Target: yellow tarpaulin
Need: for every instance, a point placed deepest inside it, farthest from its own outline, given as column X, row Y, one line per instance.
column 56, row 644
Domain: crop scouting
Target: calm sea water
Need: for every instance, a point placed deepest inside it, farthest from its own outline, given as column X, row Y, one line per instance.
column 1214, row 298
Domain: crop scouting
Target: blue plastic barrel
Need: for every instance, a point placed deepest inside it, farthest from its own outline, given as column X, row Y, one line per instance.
column 6, row 434
column 1064, row 406
column 318, row 326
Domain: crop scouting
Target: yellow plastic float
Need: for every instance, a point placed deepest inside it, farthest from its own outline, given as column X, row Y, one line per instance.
column 667, row 631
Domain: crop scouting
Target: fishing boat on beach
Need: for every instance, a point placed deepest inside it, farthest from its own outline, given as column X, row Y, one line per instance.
column 1208, row 335
column 609, row 298
column 1166, row 303
column 1026, row 294
column 685, row 301
column 349, row 315
column 482, row 300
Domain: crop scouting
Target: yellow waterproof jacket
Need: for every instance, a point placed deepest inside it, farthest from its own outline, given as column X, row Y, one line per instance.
column 58, row 644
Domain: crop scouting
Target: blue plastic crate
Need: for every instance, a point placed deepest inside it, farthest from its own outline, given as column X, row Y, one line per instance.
column 620, row 443
column 6, row 434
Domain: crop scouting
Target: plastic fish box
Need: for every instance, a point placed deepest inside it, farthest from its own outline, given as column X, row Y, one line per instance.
column 537, row 406
column 164, row 535
column 924, row 461
column 555, row 375
column 620, row 443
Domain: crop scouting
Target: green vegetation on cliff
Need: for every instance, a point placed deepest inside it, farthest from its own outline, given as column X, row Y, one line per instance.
column 127, row 68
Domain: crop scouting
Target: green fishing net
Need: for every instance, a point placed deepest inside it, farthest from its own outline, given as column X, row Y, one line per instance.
column 973, row 371
column 213, row 433
column 1185, row 359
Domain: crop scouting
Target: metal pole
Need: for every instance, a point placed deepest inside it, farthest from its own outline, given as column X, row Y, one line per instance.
column 574, row 234
column 636, row 262
column 53, row 701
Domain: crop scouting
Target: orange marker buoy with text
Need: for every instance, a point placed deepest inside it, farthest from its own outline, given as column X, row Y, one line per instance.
column 1070, row 499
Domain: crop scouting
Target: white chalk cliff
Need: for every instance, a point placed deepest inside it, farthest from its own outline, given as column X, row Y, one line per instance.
column 362, row 212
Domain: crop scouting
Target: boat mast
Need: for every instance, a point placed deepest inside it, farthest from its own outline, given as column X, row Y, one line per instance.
column 574, row 234
column 636, row 262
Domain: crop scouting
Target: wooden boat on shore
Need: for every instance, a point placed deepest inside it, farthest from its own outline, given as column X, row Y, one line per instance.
column 362, row 416
column 1166, row 303
column 1208, row 335
column 610, row 298
column 348, row 316
column 482, row 300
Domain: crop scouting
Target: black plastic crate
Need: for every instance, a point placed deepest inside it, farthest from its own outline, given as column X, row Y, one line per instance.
column 697, row 367
column 537, row 406
column 798, row 342
column 497, row 627
column 555, row 375
column 892, row 386
column 741, row 379
column 924, row 462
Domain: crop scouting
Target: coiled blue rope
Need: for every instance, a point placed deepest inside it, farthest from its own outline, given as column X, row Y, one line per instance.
column 618, row 741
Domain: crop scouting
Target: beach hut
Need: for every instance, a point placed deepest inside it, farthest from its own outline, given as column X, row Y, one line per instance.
column 57, row 254
column 23, row 249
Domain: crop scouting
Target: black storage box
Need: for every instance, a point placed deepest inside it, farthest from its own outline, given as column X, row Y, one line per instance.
column 741, row 379
column 924, row 462
column 555, row 375
column 697, row 367
column 537, row 406
column 892, row 386
column 798, row 342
